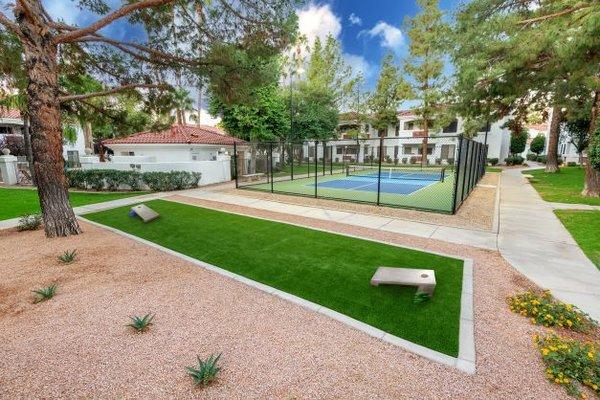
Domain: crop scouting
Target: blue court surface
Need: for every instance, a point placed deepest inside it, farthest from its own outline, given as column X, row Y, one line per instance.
column 364, row 184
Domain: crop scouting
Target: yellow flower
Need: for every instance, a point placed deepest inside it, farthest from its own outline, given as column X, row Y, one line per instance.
column 545, row 351
column 590, row 354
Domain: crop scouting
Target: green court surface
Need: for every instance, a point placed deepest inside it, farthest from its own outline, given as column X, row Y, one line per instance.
column 16, row 202
column 437, row 196
column 325, row 268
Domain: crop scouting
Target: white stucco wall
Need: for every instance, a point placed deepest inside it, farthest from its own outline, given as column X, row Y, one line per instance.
column 169, row 152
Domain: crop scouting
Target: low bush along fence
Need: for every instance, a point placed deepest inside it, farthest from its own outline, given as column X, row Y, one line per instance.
column 110, row 179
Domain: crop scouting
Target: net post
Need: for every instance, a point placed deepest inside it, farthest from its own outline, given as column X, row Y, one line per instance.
column 316, row 167
column 456, row 174
column 379, row 169
column 235, row 165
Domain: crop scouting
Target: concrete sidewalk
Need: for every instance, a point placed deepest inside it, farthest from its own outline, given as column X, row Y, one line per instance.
column 536, row 243
column 476, row 238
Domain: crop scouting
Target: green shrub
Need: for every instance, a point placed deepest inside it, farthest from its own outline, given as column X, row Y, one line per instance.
column 514, row 160
column 543, row 309
column 493, row 161
column 68, row 256
column 571, row 363
column 571, row 164
column 518, row 142
column 532, row 157
column 538, row 144
column 174, row 180
column 141, row 324
column 29, row 222
column 110, row 179
column 593, row 150
column 45, row 293
column 206, row 371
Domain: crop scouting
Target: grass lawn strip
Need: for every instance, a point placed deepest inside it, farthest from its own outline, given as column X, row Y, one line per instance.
column 16, row 202
column 564, row 186
column 584, row 226
column 325, row 268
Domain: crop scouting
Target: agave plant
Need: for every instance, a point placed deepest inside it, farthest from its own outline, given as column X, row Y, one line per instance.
column 141, row 324
column 68, row 256
column 206, row 371
column 45, row 293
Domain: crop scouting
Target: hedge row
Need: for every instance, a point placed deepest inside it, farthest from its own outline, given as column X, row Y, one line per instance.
column 112, row 179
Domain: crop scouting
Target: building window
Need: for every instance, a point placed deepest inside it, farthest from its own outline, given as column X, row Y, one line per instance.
column 127, row 153
column 409, row 125
column 452, row 127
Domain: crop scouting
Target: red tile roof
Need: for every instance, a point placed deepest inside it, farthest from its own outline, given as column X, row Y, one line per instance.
column 10, row 113
column 406, row 113
column 538, row 127
column 179, row 134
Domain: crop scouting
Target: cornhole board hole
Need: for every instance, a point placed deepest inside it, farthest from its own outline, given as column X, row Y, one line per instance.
column 144, row 212
column 423, row 279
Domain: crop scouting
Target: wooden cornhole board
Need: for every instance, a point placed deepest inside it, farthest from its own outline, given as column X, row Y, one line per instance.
column 423, row 279
column 144, row 212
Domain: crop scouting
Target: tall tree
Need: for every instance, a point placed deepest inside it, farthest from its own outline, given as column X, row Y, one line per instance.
column 390, row 91
column 428, row 35
column 182, row 103
column 515, row 56
column 224, row 40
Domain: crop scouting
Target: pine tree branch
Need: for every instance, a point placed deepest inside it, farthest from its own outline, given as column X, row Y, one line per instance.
column 9, row 24
column 113, row 91
column 554, row 15
column 120, row 13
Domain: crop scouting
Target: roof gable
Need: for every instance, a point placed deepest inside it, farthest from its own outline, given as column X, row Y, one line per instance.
column 179, row 134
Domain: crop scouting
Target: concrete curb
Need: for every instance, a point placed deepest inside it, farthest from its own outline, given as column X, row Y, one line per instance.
column 464, row 362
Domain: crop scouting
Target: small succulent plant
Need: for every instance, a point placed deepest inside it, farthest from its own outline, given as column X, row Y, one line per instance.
column 141, row 324
column 29, row 222
column 206, row 371
column 45, row 293
column 68, row 256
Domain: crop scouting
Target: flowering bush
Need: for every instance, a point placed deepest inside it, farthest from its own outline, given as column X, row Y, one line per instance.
column 543, row 309
column 571, row 363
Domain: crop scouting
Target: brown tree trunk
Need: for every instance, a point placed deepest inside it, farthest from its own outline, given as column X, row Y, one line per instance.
column 424, row 144
column 592, row 176
column 552, row 156
column 88, row 135
column 40, row 55
column 28, row 149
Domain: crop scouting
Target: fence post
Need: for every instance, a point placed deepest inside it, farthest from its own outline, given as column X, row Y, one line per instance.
column 235, row 164
column 292, row 155
column 324, row 150
column 316, row 166
column 330, row 160
column 456, row 174
column 270, row 161
column 379, row 174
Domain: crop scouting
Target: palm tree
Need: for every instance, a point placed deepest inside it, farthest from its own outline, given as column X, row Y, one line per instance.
column 182, row 103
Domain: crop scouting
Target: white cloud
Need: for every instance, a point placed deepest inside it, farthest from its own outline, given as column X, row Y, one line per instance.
column 318, row 21
column 391, row 36
column 354, row 19
column 360, row 64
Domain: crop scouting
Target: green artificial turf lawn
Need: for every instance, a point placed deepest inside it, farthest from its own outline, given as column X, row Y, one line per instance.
column 564, row 186
column 493, row 169
column 16, row 202
column 328, row 269
column 584, row 226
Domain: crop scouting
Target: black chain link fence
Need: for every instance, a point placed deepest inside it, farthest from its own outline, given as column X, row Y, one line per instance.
column 434, row 173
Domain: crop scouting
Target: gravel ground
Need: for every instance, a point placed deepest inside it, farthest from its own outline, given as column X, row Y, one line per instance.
column 77, row 346
column 477, row 212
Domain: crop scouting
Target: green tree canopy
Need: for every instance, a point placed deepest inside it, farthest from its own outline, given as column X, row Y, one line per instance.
column 389, row 92
column 537, row 144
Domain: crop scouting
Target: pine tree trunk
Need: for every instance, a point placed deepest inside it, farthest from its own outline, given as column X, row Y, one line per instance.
column 40, row 55
column 424, row 144
column 552, row 156
column 592, row 176
column 88, row 135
